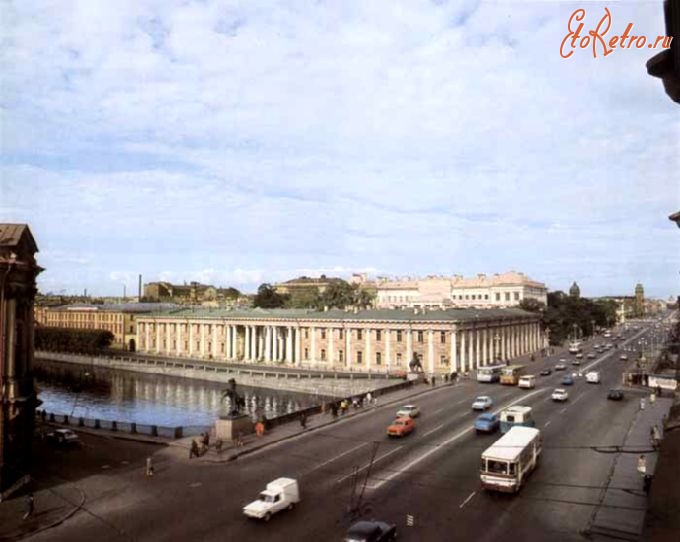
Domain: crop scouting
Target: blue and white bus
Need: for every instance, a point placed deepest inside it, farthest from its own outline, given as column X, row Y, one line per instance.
column 490, row 373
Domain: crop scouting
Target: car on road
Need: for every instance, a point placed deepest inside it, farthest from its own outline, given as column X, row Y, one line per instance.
column 590, row 355
column 487, row 423
column 371, row 531
column 579, row 356
column 593, row 377
column 279, row 494
column 408, row 411
column 401, row 427
column 576, row 362
column 560, row 367
column 567, row 380
column 623, row 357
column 546, row 372
column 482, row 403
column 63, row 437
column 615, row 395
column 560, row 395
column 563, row 360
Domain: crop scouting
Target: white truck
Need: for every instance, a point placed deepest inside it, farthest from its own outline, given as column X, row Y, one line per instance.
column 282, row 493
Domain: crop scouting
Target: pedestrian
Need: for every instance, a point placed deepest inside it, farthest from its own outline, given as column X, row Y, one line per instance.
column 303, row 421
column 433, row 380
column 30, row 506
column 334, row 410
column 658, row 390
column 656, row 436
column 218, row 445
column 642, row 403
column 369, row 398
column 148, row 471
column 652, row 399
column 259, row 429
column 375, row 402
column 193, row 450
column 239, row 440
column 206, row 440
column 642, row 465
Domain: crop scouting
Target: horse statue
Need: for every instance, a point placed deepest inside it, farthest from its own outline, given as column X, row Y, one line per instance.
column 236, row 401
column 415, row 364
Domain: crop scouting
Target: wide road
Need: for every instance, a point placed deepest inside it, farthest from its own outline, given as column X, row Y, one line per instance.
column 432, row 475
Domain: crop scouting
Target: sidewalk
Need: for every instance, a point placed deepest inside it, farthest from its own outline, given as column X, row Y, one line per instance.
column 623, row 504
column 251, row 443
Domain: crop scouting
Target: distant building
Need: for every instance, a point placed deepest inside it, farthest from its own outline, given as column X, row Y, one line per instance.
column 18, row 399
column 193, row 293
column 380, row 341
column 120, row 319
column 639, row 300
column 305, row 284
column 483, row 291
column 575, row 291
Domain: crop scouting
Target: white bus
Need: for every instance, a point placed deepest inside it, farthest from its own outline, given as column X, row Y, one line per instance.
column 508, row 462
column 574, row 347
column 490, row 373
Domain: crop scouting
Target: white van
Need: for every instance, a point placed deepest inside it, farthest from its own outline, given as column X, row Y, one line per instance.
column 527, row 382
column 593, row 377
column 282, row 493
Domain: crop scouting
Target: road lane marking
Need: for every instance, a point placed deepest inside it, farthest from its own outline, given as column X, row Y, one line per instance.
column 546, row 424
column 433, row 430
column 562, row 411
column 437, row 447
column 368, row 465
column 337, row 457
column 468, row 499
column 575, row 400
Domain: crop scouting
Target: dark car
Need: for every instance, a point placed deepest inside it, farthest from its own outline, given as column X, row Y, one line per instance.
column 576, row 362
column 371, row 531
column 567, row 381
column 546, row 372
column 615, row 395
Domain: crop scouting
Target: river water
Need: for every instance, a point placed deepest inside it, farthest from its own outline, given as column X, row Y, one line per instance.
column 148, row 399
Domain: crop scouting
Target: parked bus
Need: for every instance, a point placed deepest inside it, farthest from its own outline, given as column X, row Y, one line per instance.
column 516, row 416
column 508, row 462
column 491, row 373
column 510, row 374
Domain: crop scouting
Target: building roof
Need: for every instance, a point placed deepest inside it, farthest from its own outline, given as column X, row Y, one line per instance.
column 510, row 278
column 510, row 445
column 11, row 235
column 443, row 315
column 116, row 307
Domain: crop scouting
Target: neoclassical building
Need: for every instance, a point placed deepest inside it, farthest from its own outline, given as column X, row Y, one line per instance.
column 369, row 340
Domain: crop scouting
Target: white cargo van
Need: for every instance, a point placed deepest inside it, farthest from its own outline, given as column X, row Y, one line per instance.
column 593, row 377
column 527, row 381
column 282, row 493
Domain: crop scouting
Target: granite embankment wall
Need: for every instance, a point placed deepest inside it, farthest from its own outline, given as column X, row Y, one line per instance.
column 310, row 382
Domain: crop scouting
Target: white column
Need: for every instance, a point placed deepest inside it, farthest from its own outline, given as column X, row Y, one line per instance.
column 331, row 347
column 503, row 343
column 485, row 346
column 260, row 341
column 158, row 338
column 367, row 350
column 168, row 343
column 214, row 341
column 409, row 346
column 289, row 344
column 147, row 337
column 234, row 342
column 312, row 354
column 478, row 350
column 179, row 338
column 463, row 354
column 471, row 360
column 430, row 350
column 276, row 346
column 454, row 353
column 388, row 357
column 348, row 347
column 298, row 345
column 268, row 343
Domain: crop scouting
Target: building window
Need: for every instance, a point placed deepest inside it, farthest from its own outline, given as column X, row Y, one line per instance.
column 340, row 333
column 341, row 356
column 498, row 296
column 442, row 337
column 378, row 335
column 323, row 354
column 486, row 296
column 323, row 334
column 306, row 333
column 186, row 345
column 359, row 334
column 516, row 296
column 420, row 336
column 378, row 358
column 306, row 353
column 507, row 296
column 443, row 360
column 398, row 358
column 399, row 335
column 360, row 357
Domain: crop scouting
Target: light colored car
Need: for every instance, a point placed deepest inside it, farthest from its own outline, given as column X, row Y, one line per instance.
column 408, row 411
column 560, row 367
column 63, row 437
column 623, row 357
column 559, row 395
column 593, row 377
column 482, row 403
column 280, row 494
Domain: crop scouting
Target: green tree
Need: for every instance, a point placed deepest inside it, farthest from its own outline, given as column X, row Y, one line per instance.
column 337, row 294
column 268, row 298
column 531, row 305
column 304, row 299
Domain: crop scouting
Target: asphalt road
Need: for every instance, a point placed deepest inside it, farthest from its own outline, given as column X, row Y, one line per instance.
column 432, row 475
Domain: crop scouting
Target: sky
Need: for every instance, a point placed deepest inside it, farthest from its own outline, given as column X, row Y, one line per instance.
column 241, row 142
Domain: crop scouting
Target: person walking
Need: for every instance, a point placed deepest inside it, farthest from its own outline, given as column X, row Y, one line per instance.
column 642, row 403
column 369, row 398
column 193, row 449
column 434, row 378
column 303, row 421
column 30, row 506
column 239, row 440
column 259, row 429
column 642, row 465
column 652, row 399
column 149, row 467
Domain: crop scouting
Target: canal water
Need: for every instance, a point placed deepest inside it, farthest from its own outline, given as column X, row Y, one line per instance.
column 148, row 399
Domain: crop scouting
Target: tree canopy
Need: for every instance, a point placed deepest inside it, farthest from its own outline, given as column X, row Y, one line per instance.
column 86, row 341
column 268, row 298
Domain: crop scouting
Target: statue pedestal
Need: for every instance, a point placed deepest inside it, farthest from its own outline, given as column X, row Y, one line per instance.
column 228, row 427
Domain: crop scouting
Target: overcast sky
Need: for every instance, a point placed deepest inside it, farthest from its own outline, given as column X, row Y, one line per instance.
column 241, row 142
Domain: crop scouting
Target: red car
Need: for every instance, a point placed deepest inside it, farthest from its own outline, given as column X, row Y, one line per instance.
column 401, row 427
